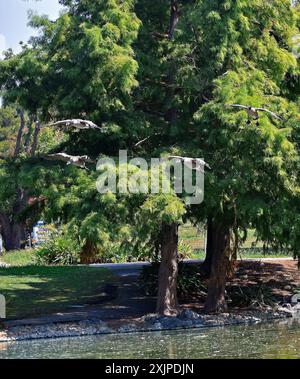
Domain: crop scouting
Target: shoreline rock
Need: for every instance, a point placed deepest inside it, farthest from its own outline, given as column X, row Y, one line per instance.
column 148, row 323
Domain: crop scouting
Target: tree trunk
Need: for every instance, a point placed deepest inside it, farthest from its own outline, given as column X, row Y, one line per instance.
column 88, row 253
column 167, row 303
column 174, row 18
column 18, row 237
column 206, row 266
column 20, row 133
column 13, row 234
column 172, row 112
column 216, row 302
column 28, row 135
column 35, row 138
column 5, row 231
column 14, row 231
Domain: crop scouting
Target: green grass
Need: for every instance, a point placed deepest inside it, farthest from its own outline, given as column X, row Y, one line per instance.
column 196, row 239
column 34, row 291
column 193, row 237
column 259, row 253
column 19, row 258
column 246, row 253
column 199, row 254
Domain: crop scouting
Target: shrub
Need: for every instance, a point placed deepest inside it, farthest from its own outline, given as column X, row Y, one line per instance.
column 189, row 282
column 185, row 250
column 257, row 296
column 61, row 249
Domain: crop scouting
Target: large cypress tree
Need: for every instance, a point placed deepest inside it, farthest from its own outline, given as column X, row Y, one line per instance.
column 167, row 74
column 197, row 57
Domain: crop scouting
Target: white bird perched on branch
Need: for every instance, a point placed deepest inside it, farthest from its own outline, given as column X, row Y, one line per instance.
column 195, row 164
column 76, row 123
column 253, row 113
column 78, row 161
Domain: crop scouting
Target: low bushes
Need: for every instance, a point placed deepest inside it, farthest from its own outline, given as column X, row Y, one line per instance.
column 61, row 249
column 189, row 280
column 256, row 295
column 191, row 285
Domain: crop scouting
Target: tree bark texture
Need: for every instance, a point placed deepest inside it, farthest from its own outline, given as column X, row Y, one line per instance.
column 216, row 302
column 167, row 303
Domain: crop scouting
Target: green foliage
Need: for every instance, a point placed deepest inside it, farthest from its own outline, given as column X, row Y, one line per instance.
column 119, row 225
column 61, row 250
column 258, row 296
column 115, row 62
column 9, row 124
column 185, row 250
column 189, row 281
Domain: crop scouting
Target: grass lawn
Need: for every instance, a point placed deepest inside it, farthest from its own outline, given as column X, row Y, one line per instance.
column 33, row 291
column 19, row 258
column 196, row 239
column 246, row 253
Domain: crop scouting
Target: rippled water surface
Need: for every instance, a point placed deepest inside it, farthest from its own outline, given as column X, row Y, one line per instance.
column 275, row 340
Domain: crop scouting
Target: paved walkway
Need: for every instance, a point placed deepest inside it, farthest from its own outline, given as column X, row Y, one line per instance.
column 134, row 268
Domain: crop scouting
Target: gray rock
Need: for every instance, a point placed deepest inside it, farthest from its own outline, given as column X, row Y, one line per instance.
column 171, row 322
column 150, row 318
column 188, row 314
column 128, row 328
column 157, row 326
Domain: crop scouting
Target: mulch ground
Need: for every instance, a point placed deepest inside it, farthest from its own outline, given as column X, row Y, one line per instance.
column 282, row 277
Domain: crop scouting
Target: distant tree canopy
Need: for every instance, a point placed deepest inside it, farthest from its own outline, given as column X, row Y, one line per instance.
column 162, row 79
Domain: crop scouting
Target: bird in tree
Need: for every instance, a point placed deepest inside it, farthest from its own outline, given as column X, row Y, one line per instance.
column 78, row 124
column 195, row 164
column 253, row 113
column 78, row 161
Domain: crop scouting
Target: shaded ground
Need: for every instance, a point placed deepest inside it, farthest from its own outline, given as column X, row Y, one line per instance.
column 124, row 300
column 280, row 277
column 33, row 291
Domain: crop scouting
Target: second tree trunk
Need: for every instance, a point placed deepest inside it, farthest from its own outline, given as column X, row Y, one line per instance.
column 216, row 302
column 167, row 303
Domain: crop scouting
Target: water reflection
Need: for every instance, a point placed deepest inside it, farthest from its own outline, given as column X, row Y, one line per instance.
column 276, row 340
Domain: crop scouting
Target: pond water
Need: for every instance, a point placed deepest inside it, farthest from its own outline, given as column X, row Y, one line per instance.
column 276, row 340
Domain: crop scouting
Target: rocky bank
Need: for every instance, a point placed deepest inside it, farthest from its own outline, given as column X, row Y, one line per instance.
column 186, row 320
